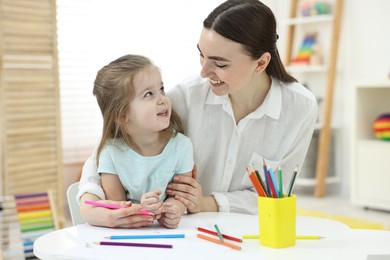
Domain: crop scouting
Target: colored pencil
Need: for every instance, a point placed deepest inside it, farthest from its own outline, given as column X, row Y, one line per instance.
column 292, row 181
column 267, row 181
column 76, row 239
column 103, row 205
column 274, row 184
column 110, row 206
column 271, row 186
column 280, row 182
column 256, row 180
column 309, row 237
column 106, row 243
column 147, row 236
column 216, row 234
column 261, row 183
column 256, row 184
column 217, row 241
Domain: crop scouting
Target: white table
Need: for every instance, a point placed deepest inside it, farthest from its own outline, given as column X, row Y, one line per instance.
column 340, row 241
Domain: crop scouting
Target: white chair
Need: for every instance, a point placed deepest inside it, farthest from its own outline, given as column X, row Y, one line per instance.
column 74, row 206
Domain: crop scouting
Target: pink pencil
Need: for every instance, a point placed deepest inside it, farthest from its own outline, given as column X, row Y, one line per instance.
column 110, row 206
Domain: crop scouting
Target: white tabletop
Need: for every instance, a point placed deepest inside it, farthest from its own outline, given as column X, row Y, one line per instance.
column 339, row 242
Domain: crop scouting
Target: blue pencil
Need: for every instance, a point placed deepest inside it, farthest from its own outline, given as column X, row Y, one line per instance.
column 274, row 183
column 147, row 236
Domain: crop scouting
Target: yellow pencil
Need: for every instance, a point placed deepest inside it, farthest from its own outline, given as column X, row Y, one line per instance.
column 310, row 237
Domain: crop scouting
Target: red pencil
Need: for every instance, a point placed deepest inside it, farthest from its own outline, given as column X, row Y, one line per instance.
column 216, row 234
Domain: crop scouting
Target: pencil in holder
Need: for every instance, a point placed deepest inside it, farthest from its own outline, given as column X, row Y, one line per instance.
column 277, row 221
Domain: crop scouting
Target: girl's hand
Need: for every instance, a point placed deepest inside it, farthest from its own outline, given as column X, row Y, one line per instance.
column 151, row 201
column 171, row 215
column 187, row 190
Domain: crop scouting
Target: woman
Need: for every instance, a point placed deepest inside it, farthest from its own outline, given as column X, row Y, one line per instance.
column 244, row 108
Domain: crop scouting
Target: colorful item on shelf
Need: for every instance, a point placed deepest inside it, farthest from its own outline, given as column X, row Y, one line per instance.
column 312, row 8
column 306, row 49
column 382, row 127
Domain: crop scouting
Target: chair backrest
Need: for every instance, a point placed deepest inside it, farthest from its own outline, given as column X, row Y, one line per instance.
column 74, row 206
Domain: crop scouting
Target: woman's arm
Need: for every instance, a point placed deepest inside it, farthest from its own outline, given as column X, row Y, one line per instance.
column 188, row 191
column 126, row 217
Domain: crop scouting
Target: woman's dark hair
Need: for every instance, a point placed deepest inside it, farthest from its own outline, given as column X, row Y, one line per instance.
column 252, row 24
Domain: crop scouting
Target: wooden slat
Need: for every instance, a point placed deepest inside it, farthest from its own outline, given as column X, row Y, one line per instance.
column 26, row 10
column 32, row 86
column 28, row 3
column 46, row 174
column 31, row 152
column 31, row 139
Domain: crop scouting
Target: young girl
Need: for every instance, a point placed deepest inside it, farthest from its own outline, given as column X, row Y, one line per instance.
column 142, row 147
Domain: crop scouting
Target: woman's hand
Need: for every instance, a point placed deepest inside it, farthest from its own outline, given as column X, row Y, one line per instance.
column 187, row 190
column 126, row 217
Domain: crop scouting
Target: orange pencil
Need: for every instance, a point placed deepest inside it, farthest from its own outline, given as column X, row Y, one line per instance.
column 255, row 182
column 218, row 241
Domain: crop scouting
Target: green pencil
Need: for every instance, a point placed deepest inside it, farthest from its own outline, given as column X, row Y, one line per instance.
column 218, row 232
column 280, row 182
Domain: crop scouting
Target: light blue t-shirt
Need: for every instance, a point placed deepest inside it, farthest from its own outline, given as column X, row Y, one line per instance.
column 140, row 174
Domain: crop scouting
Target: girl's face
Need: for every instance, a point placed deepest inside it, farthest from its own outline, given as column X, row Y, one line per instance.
column 150, row 110
column 225, row 63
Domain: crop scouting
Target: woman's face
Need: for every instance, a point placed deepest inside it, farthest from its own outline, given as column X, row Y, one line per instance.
column 225, row 63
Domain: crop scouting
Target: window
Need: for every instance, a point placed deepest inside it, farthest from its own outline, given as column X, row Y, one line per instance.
column 91, row 33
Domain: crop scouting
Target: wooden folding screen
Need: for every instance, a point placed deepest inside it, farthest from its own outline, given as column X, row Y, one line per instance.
column 30, row 133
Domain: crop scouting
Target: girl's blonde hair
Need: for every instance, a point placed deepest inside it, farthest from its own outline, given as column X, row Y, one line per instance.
column 114, row 90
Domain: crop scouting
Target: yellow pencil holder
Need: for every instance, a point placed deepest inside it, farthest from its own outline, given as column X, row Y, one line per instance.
column 277, row 221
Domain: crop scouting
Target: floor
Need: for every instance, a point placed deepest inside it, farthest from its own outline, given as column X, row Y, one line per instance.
column 335, row 205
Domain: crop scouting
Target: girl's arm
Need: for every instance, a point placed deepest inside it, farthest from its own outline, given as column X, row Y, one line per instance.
column 113, row 187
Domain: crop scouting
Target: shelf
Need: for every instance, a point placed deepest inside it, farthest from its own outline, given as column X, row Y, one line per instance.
column 370, row 156
column 373, row 85
column 327, row 26
column 302, row 68
column 334, row 126
column 310, row 182
column 310, row 19
column 373, row 142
